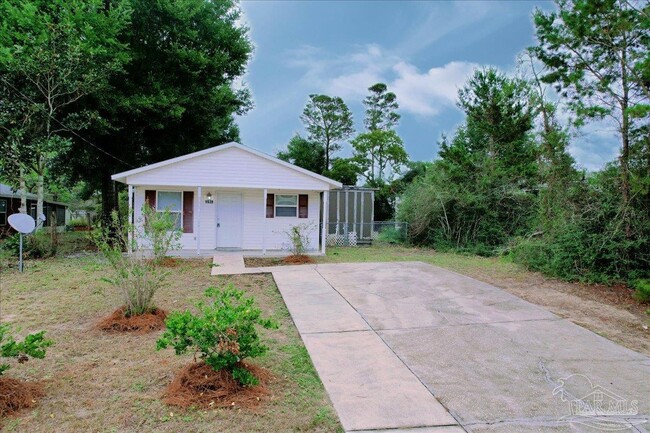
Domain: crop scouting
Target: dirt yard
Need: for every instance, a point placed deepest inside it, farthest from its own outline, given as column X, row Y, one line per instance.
column 106, row 382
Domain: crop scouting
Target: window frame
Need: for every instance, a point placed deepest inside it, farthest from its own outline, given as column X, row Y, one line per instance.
column 6, row 212
column 276, row 206
column 179, row 212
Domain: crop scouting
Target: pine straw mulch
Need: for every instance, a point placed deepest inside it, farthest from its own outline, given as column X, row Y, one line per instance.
column 16, row 395
column 298, row 260
column 265, row 262
column 198, row 385
column 140, row 324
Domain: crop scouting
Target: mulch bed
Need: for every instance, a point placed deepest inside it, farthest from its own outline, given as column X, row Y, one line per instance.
column 141, row 323
column 265, row 262
column 298, row 260
column 16, row 395
column 198, row 385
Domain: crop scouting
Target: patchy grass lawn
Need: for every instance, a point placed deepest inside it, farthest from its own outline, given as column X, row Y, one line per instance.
column 610, row 311
column 98, row 382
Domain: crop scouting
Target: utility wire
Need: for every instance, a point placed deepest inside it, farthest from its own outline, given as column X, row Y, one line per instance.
column 67, row 128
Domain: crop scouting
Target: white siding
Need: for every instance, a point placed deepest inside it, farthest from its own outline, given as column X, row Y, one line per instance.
column 228, row 168
column 257, row 229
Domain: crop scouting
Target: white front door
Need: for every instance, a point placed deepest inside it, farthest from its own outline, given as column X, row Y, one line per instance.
column 229, row 220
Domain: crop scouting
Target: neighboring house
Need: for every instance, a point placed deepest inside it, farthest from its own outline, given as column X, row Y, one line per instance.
column 10, row 204
column 233, row 197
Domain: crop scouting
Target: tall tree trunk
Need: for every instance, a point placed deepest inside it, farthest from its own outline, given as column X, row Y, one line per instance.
column 40, row 192
column 23, row 191
column 108, row 196
column 625, row 138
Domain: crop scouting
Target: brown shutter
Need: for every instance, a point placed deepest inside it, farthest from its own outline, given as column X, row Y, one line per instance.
column 303, row 206
column 150, row 197
column 188, row 211
column 270, row 204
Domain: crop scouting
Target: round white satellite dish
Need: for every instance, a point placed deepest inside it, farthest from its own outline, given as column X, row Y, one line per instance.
column 22, row 223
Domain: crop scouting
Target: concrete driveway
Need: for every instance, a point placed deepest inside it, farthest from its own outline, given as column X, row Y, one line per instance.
column 409, row 347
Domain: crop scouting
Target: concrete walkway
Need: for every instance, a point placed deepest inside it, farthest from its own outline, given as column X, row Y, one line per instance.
column 411, row 348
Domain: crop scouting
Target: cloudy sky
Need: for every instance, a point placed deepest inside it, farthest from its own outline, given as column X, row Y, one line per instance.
column 423, row 50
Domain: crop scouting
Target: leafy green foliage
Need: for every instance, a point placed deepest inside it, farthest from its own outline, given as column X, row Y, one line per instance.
column 377, row 151
column 223, row 333
column 304, row 153
column 53, row 53
column 32, row 346
column 642, row 290
column 480, row 193
column 176, row 93
column 138, row 274
column 344, row 170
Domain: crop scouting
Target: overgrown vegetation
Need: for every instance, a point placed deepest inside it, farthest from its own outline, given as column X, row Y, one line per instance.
column 223, row 334
column 135, row 252
column 504, row 183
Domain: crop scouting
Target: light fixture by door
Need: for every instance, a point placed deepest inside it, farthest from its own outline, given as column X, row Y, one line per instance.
column 208, row 198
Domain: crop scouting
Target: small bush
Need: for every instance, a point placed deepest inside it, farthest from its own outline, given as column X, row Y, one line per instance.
column 37, row 245
column 77, row 222
column 299, row 238
column 223, row 333
column 392, row 235
column 33, row 346
column 138, row 274
column 642, row 290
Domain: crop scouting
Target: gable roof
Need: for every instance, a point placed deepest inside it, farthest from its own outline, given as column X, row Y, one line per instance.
column 122, row 177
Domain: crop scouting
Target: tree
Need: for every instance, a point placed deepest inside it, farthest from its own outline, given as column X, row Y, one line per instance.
column 328, row 121
column 380, row 147
column 344, row 170
column 304, row 153
column 176, row 95
column 57, row 52
column 381, row 108
column 595, row 52
column 482, row 190
column 378, row 150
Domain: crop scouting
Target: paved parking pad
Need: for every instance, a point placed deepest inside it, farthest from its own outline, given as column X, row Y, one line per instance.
column 420, row 349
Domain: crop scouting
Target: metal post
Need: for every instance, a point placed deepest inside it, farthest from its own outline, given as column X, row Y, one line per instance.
column 20, row 264
column 130, row 190
column 265, row 198
column 324, row 230
column 198, row 221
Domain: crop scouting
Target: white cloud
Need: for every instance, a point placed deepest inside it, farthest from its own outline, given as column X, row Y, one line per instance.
column 349, row 76
column 429, row 92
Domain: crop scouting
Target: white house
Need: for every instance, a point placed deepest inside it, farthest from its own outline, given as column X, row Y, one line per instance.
column 233, row 197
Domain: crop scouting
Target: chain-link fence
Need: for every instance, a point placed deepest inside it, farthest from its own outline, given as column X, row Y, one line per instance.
column 354, row 234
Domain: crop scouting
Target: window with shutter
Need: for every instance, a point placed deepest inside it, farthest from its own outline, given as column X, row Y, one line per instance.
column 188, row 211
column 303, row 206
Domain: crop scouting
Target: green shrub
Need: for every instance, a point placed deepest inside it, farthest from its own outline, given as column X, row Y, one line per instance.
column 223, row 333
column 77, row 222
column 137, row 274
column 392, row 235
column 642, row 290
column 37, row 245
column 33, row 346
column 299, row 238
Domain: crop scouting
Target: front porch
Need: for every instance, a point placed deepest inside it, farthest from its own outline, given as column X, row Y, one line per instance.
column 250, row 221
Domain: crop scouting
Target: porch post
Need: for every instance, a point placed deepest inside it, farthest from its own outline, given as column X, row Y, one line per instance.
column 131, row 218
column 264, row 225
column 326, row 211
column 197, row 232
